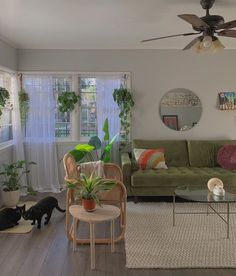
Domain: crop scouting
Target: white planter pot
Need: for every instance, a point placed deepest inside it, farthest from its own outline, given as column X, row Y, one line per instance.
column 10, row 199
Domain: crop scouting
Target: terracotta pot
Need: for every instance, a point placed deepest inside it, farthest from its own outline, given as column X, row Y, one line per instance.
column 89, row 205
column 10, row 199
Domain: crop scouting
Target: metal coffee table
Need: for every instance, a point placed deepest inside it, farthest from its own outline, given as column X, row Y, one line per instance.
column 199, row 194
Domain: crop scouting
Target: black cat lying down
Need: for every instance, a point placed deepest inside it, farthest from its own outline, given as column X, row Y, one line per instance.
column 44, row 206
column 9, row 217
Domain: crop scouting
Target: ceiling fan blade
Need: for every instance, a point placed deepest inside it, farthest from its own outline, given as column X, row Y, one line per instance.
column 228, row 33
column 194, row 20
column 227, row 25
column 194, row 41
column 168, row 36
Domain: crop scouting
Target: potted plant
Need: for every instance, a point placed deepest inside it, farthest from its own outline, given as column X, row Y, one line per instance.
column 4, row 96
column 11, row 184
column 89, row 189
column 67, row 101
column 125, row 102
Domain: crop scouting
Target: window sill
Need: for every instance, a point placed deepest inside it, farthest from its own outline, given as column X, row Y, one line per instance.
column 6, row 145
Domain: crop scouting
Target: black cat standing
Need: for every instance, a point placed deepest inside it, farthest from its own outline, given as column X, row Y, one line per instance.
column 44, row 206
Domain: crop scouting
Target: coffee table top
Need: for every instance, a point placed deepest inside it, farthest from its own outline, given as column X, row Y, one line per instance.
column 199, row 194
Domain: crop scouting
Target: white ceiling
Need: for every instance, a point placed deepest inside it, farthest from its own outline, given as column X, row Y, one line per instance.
column 102, row 24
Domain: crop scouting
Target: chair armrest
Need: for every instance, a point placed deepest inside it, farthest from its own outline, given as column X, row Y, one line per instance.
column 126, row 170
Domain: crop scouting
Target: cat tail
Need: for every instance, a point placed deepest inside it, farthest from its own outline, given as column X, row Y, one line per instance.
column 59, row 209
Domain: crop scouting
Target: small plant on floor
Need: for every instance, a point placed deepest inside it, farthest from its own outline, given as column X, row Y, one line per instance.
column 89, row 188
column 12, row 174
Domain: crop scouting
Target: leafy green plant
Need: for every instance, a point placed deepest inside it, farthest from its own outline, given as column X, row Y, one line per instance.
column 67, row 101
column 24, row 105
column 90, row 187
column 95, row 144
column 12, row 174
column 4, row 96
column 125, row 102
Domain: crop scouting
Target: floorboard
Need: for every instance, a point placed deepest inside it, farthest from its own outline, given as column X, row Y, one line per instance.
column 47, row 252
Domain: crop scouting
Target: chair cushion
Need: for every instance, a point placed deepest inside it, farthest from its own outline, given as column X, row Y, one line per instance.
column 150, row 158
column 226, row 157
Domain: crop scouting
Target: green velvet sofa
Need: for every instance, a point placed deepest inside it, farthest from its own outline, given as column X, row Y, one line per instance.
column 190, row 162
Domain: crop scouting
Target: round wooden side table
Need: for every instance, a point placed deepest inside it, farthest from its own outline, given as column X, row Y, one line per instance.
column 101, row 214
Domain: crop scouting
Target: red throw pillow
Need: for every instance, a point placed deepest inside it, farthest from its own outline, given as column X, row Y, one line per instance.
column 226, row 157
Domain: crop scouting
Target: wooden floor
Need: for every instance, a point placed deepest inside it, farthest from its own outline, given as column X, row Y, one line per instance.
column 47, row 252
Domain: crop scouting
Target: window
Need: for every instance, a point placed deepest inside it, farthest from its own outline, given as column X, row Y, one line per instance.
column 63, row 120
column 88, row 118
column 6, row 131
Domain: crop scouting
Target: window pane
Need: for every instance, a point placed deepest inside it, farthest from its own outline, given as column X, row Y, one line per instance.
column 5, row 134
column 88, row 119
column 60, row 85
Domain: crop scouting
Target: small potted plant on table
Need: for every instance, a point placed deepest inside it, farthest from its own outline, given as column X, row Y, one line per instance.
column 11, row 184
column 89, row 189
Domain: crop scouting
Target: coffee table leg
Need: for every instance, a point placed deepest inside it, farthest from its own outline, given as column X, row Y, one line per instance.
column 174, row 210
column 227, row 220
column 112, row 236
column 92, row 245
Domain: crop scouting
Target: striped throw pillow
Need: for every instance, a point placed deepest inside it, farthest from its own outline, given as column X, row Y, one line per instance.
column 150, row 158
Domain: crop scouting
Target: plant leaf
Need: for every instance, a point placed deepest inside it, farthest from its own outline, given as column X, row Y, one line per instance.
column 106, row 130
column 95, row 142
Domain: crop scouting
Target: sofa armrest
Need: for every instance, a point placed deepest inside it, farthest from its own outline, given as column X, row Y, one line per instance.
column 126, row 170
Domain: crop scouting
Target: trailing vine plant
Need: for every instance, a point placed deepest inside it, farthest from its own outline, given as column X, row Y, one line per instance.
column 67, row 101
column 23, row 102
column 4, row 96
column 123, row 98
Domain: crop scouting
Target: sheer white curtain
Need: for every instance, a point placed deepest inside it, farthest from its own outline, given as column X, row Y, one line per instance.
column 107, row 108
column 40, row 133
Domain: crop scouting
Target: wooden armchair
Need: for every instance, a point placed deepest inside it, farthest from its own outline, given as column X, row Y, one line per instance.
column 117, row 196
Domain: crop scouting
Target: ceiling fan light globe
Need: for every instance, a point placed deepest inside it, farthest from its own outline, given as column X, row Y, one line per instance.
column 207, row 41
column 217, row 46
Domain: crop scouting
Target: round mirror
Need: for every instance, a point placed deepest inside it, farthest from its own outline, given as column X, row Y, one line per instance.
column 180, row 109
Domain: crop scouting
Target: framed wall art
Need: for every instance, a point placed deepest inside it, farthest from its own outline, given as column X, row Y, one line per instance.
column 227, row 100
column 171, row 121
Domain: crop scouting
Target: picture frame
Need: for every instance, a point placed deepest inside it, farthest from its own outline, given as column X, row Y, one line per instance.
column 227, row 100
column 171, row 121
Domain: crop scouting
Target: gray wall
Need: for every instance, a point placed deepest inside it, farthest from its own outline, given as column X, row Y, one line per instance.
column 155, row 72
column 8, row 56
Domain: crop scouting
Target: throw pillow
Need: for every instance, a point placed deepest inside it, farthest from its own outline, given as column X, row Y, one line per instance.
column 150, row 158
column 226, row 157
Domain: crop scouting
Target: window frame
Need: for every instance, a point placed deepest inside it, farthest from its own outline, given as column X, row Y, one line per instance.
column 75, row 126
column 10, row 142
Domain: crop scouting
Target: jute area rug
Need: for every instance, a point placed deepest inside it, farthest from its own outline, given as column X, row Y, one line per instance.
column 197, row 241
column 24, row 225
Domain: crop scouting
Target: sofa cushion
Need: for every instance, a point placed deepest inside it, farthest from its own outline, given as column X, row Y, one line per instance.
column 176, row 153
column 178, row 176
column 226, row 157
column 204, row 153
column 150, row 158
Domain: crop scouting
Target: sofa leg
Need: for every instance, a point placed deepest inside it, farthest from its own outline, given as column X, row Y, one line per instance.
column 136, row 199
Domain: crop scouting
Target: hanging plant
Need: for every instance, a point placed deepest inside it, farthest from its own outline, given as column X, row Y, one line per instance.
column 4, row 96
column 125, row 102
column 24, row 106
column 67, row 101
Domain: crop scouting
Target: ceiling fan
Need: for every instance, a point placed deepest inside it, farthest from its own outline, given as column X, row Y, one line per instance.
column 208, row 26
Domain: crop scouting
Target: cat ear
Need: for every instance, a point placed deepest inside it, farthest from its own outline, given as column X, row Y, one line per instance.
column 23, row 207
